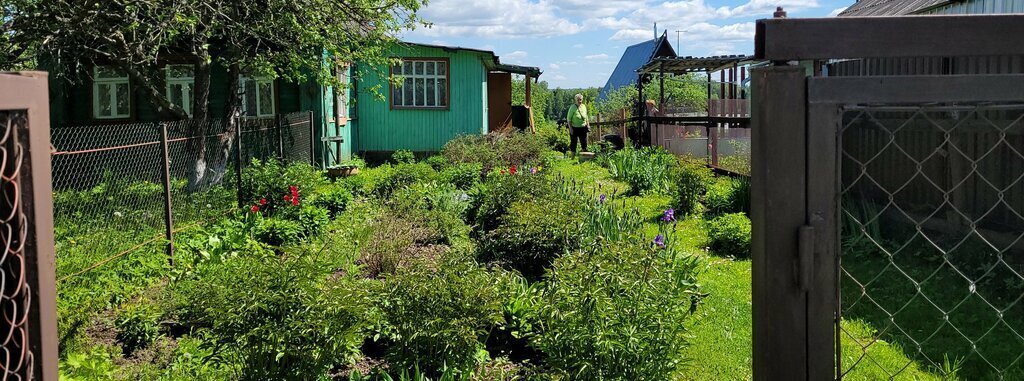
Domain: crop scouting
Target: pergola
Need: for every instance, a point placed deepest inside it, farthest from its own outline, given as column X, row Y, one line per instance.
column 732, row 69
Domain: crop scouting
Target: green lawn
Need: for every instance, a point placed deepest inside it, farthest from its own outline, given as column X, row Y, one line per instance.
column 720, row 332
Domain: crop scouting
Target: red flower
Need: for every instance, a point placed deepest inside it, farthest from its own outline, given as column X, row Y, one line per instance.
column 503, row 171
column 255, row 208
column 512, row 170
column 294, row 190
column 295, row 201
column 263, row 201
column 287, row 198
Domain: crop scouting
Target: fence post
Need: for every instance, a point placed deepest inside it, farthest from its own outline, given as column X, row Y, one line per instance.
column 168, row 210
column 279, row 121
column 312, row 139
column 238, row 160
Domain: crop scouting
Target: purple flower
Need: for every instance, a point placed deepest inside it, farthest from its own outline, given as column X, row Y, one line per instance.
column 669, row 215
column 533, row 170
column 602, row 198
column 659, row 241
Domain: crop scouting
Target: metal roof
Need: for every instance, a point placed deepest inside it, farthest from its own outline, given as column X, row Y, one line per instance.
column 682, row 65
column 889, row 7
column 495, row 63
column 632, row 59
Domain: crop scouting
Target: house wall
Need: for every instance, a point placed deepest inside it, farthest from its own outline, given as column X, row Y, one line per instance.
column 71, row 102
column 382, row 129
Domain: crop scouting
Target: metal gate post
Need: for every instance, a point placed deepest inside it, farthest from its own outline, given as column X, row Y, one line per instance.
column 168, row 209
column 238, row 160
column 778, row 205
column 312, row 140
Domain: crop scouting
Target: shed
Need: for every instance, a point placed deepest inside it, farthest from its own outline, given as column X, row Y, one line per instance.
column 444, row 92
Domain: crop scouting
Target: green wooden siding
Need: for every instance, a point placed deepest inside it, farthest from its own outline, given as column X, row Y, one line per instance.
column 382, row 129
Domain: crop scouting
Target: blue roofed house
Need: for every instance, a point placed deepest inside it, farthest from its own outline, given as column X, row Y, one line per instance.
column 635, row 56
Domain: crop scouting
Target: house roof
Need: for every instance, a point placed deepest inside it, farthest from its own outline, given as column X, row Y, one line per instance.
column 493, row 63
column 633, row 59
column 889, row 7
column 682, row 65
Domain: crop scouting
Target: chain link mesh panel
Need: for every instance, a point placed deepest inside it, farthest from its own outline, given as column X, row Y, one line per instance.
column 932, row 254
column 16, row 361
column 296, row 137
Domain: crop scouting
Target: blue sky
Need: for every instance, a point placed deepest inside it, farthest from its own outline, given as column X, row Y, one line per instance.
column 578, row 42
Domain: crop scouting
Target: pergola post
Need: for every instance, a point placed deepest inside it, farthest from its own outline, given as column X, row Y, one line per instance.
column 529, row 102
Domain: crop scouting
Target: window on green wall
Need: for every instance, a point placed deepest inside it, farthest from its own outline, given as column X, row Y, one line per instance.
column 341, row 93
column 180, row 83
column 257, row 97
column 423, row 83
column 111, row 98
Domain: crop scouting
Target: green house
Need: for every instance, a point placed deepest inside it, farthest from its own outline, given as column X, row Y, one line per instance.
column 439, row 93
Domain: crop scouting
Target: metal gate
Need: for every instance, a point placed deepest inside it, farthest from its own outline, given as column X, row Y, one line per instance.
column 28, row 325
column 889, row 210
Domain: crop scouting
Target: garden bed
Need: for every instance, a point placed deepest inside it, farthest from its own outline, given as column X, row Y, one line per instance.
column 496, row 259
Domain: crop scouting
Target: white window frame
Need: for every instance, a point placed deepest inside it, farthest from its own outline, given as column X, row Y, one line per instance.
column 186, row 96
column 113, row 82
column 260, row 108
column 341, row 94
column 440, row 103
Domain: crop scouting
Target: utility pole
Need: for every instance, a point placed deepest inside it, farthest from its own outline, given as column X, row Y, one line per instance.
column 678, row 32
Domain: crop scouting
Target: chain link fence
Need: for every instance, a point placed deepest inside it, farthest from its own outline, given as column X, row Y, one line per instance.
column 113, row 183
column 933, row 239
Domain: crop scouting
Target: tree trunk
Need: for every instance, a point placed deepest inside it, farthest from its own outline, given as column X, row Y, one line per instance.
column 232, row 125
column 201, row 124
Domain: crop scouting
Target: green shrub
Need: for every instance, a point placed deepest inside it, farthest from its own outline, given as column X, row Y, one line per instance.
column 492, row 199
column 439, row 318
column 556, row 138
column 334, row 198
column 137, row 325
column 533, row 234
column 646, row 170
column 617, row 311
column 271, row 181
column 438, row 162
column 94, row 364
column 438, row 206
column 403, row 156
column 495, row 150
column 280, row 317
column 277, row 231
column 462, row 176
column 691, row 184
column 728, row 195
column 729, row 235
column 313, row 219
column 401, row 176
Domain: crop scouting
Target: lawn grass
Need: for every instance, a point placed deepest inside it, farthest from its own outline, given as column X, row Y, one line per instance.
column 721, row 330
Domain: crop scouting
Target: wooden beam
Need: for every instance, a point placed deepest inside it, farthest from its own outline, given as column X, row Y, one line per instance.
column 874, row 37
column 778, row 206
column 925, row 88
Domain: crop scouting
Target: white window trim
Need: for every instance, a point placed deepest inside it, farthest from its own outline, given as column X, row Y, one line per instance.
column 186, row 99
column 112, row 82
column 400, row 103
column 260, row 113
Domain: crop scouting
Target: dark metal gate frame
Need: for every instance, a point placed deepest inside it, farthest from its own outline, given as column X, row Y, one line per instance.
column 28, row 327
column 795, row 121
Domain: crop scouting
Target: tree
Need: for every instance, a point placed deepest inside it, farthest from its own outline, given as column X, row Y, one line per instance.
column 292, row 39
column 687, row 90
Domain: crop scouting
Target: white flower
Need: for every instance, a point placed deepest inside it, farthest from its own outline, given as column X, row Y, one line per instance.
column 117, row 214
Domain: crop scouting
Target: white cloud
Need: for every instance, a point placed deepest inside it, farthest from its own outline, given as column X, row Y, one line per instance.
column 493, row 19
column 558, row 78
column 589, row 8
column 835, row 12
column 765, row 8
column 514, row 57
column 554, row 66
column 601, row 56
column 578, row 46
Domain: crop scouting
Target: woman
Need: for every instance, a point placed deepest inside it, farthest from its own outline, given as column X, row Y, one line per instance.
column 579, row 124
